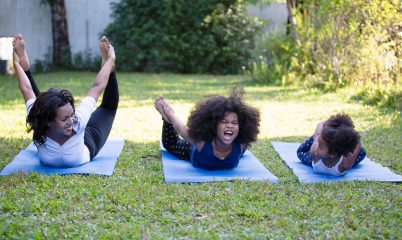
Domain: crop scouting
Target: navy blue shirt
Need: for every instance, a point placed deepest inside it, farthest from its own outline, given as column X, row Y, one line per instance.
column 207, row 160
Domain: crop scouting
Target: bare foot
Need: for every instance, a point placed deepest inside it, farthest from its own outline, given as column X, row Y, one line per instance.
column 107, row 50
column 104, row 48
column 20, row 52
column 162, row 107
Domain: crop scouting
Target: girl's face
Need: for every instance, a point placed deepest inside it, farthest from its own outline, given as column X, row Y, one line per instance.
column 62, row 124
column 228, row 128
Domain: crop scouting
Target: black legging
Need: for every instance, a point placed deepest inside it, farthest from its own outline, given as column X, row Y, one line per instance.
column 173, row 143
column 101, row 120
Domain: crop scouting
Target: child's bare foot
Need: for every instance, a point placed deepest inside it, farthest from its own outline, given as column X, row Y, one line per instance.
column 20, row 52
column 161, row 105
column 107, row 50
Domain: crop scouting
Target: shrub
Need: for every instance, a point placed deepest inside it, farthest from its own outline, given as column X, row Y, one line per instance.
column 337, row 43
column 185, row 36
column 86, row 61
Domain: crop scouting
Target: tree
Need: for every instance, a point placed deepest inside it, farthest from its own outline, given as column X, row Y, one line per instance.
column 61, row 44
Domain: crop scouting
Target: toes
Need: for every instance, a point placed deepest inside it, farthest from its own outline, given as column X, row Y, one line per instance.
column 20, row 37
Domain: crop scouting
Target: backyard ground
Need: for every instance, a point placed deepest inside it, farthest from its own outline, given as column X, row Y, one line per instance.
column 136, row 203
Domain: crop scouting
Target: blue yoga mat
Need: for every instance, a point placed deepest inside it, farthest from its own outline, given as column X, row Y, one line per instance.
column 249, row 168
column 103, row 164
column 366, row 170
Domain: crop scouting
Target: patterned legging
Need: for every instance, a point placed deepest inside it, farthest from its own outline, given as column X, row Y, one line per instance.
column 173, row 143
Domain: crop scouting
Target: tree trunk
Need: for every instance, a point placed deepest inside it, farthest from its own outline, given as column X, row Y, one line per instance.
column 291, row 28
column 61, row 43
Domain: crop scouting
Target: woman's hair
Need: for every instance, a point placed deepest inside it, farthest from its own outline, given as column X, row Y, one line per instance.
column 44, row 110
column 340, row 135
column 205, row 116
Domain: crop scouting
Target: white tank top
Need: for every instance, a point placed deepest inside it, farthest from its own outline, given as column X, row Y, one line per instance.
column 319, row 167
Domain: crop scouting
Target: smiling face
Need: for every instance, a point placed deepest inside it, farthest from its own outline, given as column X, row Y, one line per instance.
column 227, row 129
column 62, row 124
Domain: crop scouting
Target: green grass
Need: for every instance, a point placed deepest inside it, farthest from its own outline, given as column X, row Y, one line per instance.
column 136, row 203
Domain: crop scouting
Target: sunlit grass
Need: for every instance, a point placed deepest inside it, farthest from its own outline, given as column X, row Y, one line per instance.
column 135, row 202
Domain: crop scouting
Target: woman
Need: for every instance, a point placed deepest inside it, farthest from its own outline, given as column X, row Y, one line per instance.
column 64, row 135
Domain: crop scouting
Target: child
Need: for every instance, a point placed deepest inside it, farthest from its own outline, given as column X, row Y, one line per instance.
column 334, row 148
column 220, row 129
column 64, row 135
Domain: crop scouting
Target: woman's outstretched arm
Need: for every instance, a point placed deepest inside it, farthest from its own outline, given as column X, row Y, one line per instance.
column 108, row 60
column 21, row 64
column 23, row 81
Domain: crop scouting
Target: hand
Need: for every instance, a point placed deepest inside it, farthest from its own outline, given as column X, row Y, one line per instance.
column 318, row 130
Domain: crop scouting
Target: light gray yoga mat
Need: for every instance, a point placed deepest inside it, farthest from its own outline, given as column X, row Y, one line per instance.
column 103, row 164
column 249, row 168
column 366, row 170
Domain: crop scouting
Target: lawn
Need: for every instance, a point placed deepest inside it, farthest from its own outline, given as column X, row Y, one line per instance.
column 135, row 202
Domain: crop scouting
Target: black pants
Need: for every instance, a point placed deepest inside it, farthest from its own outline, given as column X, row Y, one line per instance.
column 173, row 143
column 101, row 120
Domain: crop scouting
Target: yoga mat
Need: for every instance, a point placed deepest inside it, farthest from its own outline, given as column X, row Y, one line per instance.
column 365, row 170
column 103, row 164
column 249, row 168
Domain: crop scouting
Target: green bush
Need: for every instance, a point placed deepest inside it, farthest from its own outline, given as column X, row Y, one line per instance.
column 185, row 36
column 336, row 44
column 86, row 61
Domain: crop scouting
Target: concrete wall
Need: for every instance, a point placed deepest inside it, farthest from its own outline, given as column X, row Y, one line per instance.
column 86, row 20
column 30, row 18
column 275, row 13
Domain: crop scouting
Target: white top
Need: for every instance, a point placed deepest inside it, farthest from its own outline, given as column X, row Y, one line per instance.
column 73, row 152
column 319, row 167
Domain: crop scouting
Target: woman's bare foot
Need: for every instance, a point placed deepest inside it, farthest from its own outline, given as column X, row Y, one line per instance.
column 20, row 52
column 163, row 108
column 104, row 48
column 107, row 50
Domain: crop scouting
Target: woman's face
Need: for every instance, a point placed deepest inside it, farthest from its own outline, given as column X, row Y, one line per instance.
column 228, row 128
column 62, row 125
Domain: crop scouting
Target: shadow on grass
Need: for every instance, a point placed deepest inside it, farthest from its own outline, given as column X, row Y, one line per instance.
column 384, row 144
column 137, row 86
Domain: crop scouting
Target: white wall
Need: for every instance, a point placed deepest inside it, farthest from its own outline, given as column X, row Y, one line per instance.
column 30, row 18
column 275, row 13
column 86, row 20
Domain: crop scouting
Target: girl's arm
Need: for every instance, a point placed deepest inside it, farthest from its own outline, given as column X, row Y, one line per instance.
column 318, row 130
column 349, row 160
column 178, row 125
column 23, row 81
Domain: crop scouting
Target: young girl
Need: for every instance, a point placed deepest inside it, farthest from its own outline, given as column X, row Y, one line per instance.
column 64, row 135
column 334, row 148
column 219, row 131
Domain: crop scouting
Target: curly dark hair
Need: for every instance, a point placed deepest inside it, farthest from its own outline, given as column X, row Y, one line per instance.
column 339, row 120
column 206, row 114
column 340, row 135
column 44, row 110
